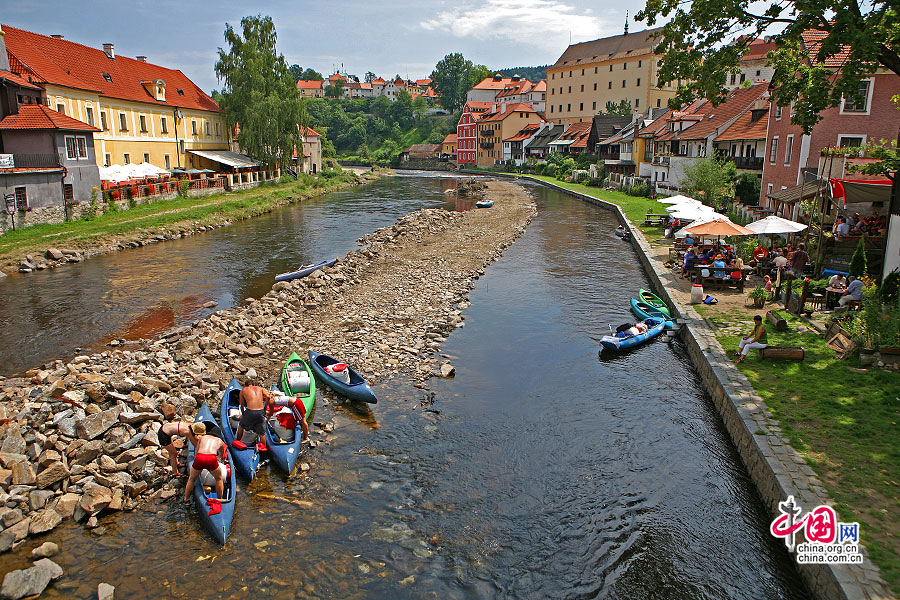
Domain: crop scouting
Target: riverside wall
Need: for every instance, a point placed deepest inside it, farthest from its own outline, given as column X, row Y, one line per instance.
column 776, row 468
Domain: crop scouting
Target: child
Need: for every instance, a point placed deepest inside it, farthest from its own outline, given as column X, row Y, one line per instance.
column 768, row 285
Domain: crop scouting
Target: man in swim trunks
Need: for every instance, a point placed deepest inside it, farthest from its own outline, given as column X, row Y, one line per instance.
column 165, row 435
column 276, row 401
column 252, row 401
column 208, row 447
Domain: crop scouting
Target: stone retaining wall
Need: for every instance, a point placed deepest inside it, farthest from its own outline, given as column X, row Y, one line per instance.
column 775, row 467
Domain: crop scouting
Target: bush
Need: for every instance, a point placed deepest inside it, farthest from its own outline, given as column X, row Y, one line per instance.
column 539, row 168
column 638, row 189
column 858, row 265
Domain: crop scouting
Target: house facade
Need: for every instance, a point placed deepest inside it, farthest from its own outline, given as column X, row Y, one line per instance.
column 466, row 130
column 144, row 112
column 494, row 127
column 311, row 88
column 612, row 69
column 449, row 146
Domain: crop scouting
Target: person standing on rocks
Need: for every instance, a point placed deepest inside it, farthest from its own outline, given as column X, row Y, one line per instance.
column 252, row 401
column 208, row 448
column 165, row 435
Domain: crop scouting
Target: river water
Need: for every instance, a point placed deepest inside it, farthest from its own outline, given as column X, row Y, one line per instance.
column 539, row 471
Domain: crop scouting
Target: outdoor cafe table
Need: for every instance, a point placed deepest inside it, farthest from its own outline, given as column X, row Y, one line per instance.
column 831, row 297
column 656, row 219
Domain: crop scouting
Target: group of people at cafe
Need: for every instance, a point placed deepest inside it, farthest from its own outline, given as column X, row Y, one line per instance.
column 874, row 225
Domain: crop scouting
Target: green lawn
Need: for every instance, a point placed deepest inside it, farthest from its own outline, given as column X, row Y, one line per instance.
column 161, row 216
column 843, row 421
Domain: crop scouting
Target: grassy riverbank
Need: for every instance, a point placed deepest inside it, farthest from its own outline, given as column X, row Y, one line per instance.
column 163, row 217
column 843, row 420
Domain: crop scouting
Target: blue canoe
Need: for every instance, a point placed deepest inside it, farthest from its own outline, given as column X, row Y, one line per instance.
column 283, row 453
column 219, row 524
column 642, row 310
column 484, row 204
column 246, row 460
column 304, row 271
column 357, row 389
column 610, row 342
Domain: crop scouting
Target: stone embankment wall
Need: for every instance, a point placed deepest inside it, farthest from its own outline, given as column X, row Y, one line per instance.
column 776, row 469
column 79, row 437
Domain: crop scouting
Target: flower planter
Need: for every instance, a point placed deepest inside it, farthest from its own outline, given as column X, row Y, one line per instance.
column 894, row 351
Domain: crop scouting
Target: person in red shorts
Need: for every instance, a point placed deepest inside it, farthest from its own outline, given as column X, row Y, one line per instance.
column 277, row 400
column 208, row 448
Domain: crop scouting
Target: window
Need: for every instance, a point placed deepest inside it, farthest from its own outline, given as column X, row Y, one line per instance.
column 570, row 73
column 569, row 108
column 123, row 124
column 595, row 87
column 206, row 123
column 164, row 125
column 778, row 110
column 126, row 158
column 582, row 71
column 71, row 152
column 552, row 75
column 773, row 151
column 76, row 147
column 769, row 190
column 582, row 87
column 143, row 124
column 733, row 78
column 658, row 103
column 595, row 70
column 89, row 115
column 68, row 192
column 743, row 77
column 167, row 161
column 758, row 72
column 594, row 107
column 637, row 102
column 560, row 108
column 107, row 77
column 861, row 104
column 107, row 159
column 624, row 66
column 103, row 124
column 147, row 157
column 61, row 108
column 623, row 83
column 610, row 68
column 194, row 127
column 640, row 63
column 610, row 85
column 570, row 89
column 181, row 144
column 851, row 141
column 639, row 82
column 21, row 198
column 788, row 145
column 552, row 91
column 581, row 106
column 551, row 108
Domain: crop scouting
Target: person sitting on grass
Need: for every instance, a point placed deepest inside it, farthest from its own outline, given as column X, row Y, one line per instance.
column 757, row 339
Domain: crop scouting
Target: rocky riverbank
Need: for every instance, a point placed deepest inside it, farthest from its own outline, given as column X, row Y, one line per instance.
column 80, row 438
column 72, row 247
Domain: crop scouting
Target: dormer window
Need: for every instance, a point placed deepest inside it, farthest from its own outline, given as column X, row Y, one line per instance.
column 180, row 91
column 107, row 77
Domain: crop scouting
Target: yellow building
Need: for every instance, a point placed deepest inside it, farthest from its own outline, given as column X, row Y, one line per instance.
column 146, row 113
column 496, row 126
column 449, row 144
column 590, row 74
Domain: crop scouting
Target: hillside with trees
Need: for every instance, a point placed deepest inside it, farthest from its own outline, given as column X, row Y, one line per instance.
column 533, row 74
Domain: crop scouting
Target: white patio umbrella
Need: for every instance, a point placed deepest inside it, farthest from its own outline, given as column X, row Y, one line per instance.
column 774, row 224
column 705, row 218
column 685, row 203
column 692, row 213
column 674, row 199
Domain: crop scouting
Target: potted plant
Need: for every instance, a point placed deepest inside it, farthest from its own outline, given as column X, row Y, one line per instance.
column 758, row 295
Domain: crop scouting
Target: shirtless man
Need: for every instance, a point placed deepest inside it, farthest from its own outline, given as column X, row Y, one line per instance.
column 165, row 435
column 208, row 447
column 252, row 401
column 276, row 401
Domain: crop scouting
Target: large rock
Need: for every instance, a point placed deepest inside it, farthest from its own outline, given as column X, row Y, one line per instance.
column 106, row 592
column 10, row 516
column 168, row 410
column 133, row 418
column 94, row 426
column 26, row 582
column 16, row 533
column 95, row 498
column 23, row 473
column 13, row 443
column 38, row 498
column 45, row 550
column 66, row 504
column 53, row 254
column 55, row 472
column 44, row 521
column 88, row 452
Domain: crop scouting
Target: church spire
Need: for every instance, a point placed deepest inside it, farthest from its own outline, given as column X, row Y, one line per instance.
column 626, row 22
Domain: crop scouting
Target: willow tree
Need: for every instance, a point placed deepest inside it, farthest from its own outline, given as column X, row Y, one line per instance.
column 259, row 93
column 824, row 48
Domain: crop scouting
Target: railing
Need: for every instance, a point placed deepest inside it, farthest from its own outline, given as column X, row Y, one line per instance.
column 753, row 163
column 35, row 161
column 648, row 156
column 661, row 161
column 126, row 191
column 487, row 145
column 487, row 132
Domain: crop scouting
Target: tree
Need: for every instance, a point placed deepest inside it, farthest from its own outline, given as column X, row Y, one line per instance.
column 296, row 72
column 452, row 77
column 747, row 189
column 370, row 77
column 712, row 179
column 622, row 108
column 419, row 107
column 312, row 75
column 336, row 90
column 705, row 39
column 259, row 93
column 858, row 265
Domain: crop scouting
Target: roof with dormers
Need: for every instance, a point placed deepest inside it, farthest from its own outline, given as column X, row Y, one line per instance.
column 609, row 48
column 17, row 80
column 38, row 116
column 709, row 119
column 43, row 59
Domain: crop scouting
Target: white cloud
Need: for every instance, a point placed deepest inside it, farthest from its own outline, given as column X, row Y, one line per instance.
column 545, row 23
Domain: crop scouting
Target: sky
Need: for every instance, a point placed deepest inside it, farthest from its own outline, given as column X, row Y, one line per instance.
column 387, row 37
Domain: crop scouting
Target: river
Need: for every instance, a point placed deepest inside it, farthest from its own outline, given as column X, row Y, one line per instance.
column 539, row 471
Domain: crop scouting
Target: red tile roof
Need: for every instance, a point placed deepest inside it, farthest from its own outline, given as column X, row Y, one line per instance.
column 745, row 128
column 738, row 101
column 379, row 80
column 489, row 83
column 525, row 133
column 61, row 62
column 423, row 82
column 17, row 80
column 305, row 84
column 758, row 49
column 540, row 86
column 310, row 132
column 812, row 40
column 450, row 139
column 38, row 116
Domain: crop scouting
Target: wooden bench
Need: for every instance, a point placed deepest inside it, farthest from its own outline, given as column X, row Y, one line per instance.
column 783, row 352
column 655, row 219
column 697, row 277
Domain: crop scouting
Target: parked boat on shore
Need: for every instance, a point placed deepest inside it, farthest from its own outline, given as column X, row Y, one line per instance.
column 611, row 342
column 246, row 459
column 356, row 388
column 219, row 523
column 305, row 270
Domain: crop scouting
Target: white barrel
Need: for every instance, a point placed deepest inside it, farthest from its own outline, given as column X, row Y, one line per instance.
column 339, row 371
column 697, row 294
column 298, row 382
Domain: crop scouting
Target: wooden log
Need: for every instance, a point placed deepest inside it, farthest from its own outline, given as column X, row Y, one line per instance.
column 777, row 322
column 782, row 352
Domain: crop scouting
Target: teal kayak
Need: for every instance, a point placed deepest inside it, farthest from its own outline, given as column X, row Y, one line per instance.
column 642, row 310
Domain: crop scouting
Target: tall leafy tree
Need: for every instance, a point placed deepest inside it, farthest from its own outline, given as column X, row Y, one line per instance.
column 704, row 39
column 453, row 76
column 712, row 179
column 259, row 93
column 622, row 108
column 370, row 77
column 296, row 72
column 312, row 75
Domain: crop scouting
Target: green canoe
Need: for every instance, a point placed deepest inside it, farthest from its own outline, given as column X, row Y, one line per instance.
column 653, row 300
column 294, row 370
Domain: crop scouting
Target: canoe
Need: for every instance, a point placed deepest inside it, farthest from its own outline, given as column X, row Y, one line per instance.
column 484, row 203
column 653, row 300
column 219, row 524
column 246, row 460
column 304, row 271
column 623, row 233
column 655, row 327
column 357, row 389
column 643, row 311
column 284, row 453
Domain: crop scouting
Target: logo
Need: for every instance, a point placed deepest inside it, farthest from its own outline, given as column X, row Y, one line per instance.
column 827, row 540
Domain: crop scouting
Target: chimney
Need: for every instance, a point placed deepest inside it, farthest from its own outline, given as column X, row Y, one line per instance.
column 141, row 58
column 516, row 77
column 110, row 50
column 4, row 59
column 57, row 36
